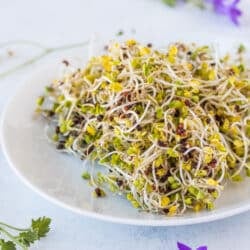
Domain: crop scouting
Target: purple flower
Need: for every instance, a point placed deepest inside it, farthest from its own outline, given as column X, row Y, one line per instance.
column 202, row 248
column 182, row 246
column 226, row 8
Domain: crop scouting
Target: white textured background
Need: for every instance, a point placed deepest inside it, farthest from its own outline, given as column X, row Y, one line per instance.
column 60, row 22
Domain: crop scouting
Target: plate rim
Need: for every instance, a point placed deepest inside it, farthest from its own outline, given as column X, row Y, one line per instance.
column 93, row 214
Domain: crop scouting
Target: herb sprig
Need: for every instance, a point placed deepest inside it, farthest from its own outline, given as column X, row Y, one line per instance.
column 13, row 237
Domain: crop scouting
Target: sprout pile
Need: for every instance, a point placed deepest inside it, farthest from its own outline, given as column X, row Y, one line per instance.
column 170, row 126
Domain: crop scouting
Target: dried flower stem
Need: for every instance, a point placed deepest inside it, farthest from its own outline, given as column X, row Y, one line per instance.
column 45, row 52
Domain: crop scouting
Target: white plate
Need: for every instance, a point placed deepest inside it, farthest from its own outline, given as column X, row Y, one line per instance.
column 57, row 176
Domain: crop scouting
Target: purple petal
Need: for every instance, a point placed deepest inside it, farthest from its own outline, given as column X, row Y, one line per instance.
column 235, row 14
column 229, row 9
column 220, row 7
column 235, row 2
column 181, row 246
column 202, row 248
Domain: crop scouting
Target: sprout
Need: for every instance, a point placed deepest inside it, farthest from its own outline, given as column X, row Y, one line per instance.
column 212, row 182
column 136, row 63
column 208, row 154
column 115, row 160
column 115, row 86
column 175, row 185
column 139, row 183
column 40, row 100
column 133, row 150
column 169, row 126
column 237, row 178
column 176, row 104
column 106, row 63
column 159, row 161
column 65, row 126
column 161, row 172
column 197, row 207
column 201, row 173
column 226, row 126
column 188, row 201
column 172, row 210
column 210, row 205
column 172, row 54
column 172, row 153
column 231, row 161
column 187, row 166
column 49, row 89
column 215, row 140
column 91, row 130
column 165, row 201
column 69, row 141
column 171, row 179
column 146, row 69
column 248, row 172
column 85, row 175
column 159, row 113
column 144, row 51
column 131, row 42
column 55, row 137
column 196, row 192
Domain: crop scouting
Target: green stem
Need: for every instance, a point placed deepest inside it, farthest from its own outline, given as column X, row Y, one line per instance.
column 14, row 228
column 13, row 238
column 36, row 58
column 66, row 47
column 21, row 42
column 26, row 63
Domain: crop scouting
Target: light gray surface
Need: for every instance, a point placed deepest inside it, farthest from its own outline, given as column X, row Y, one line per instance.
column 69, row 21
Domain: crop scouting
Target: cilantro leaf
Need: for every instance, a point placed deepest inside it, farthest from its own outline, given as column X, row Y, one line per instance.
column 23, row 237
column 7, row 245
column 28, row 237
column 41, row 226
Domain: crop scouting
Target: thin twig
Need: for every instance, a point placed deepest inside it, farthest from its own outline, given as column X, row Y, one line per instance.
column 14, row 228
column 46, row 51
column 22, row 42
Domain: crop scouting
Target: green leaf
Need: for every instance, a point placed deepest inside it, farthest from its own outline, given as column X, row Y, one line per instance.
column 172, row 153
column 241, row 48
column 85, row 175
column 146, row 69
column 248, row 172
column 65, row 126
column 40, row 100
column 120, row 33
column 41, row 226
column 28, row 237
column 237, row 178
column 170, row 3
column 7, row 245
column 159, row 113
column 49, row 89
column 176, row 104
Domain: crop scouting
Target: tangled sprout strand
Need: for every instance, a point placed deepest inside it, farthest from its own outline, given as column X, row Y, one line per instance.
column 169, row 126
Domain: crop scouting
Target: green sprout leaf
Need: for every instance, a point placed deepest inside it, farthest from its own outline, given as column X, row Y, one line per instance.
column 25, row 237
column 85, row 175
column 41, row 225
column 28, row 237
column 170, row 3
column 7, row 245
